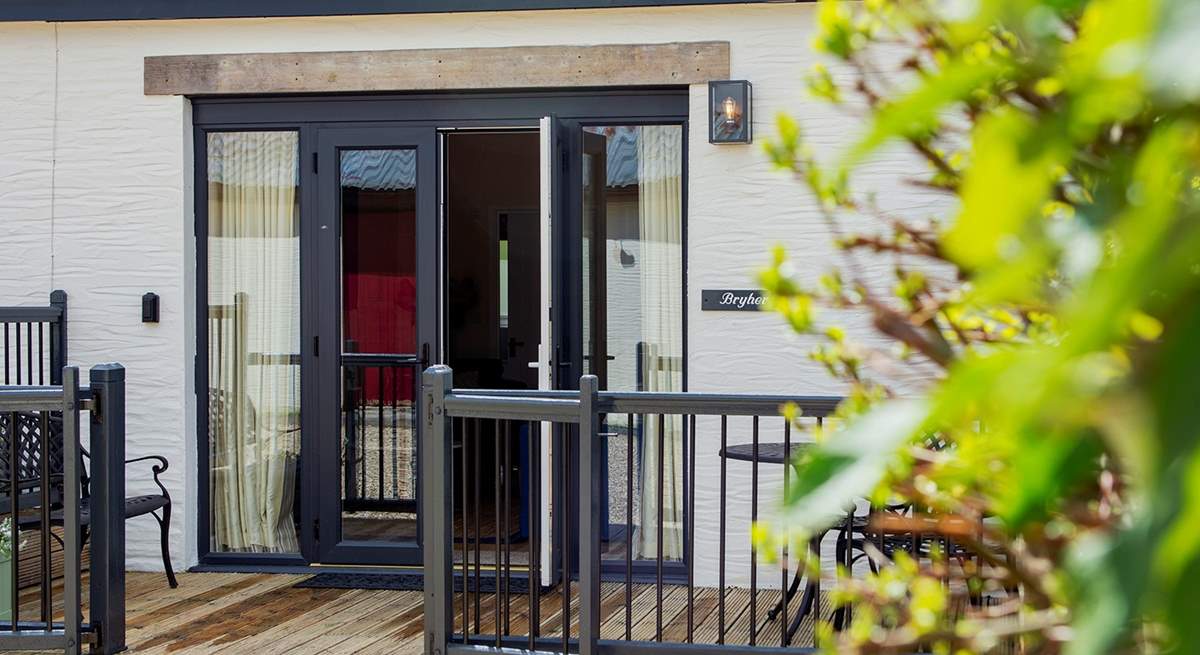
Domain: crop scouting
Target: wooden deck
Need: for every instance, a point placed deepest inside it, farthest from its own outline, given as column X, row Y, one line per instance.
column 263, row 614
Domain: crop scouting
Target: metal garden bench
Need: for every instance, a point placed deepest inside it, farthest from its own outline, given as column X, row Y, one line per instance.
column 33, row 344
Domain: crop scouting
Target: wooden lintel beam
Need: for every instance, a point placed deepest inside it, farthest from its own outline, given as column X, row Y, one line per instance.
column 650, row 64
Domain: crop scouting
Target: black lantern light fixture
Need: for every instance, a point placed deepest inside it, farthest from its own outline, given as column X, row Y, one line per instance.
column 729, row 111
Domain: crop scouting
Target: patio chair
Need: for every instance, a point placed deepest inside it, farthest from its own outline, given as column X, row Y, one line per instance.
column 28, row 494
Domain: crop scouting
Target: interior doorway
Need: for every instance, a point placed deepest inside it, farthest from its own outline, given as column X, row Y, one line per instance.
column 492, row 255
column 492, row 309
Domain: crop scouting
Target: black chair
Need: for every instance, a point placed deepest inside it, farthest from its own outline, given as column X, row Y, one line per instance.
column 29, row 449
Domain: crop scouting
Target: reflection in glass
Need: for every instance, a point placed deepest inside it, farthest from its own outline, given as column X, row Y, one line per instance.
column 633, row 310
column 379, row 309
column 253, row 331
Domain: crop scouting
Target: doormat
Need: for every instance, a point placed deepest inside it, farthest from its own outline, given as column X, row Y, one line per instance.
column 402, row 582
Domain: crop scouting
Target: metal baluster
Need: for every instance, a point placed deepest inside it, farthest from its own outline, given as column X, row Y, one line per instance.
column 721, row 537
column 784, row 637
column 379, row 430
column 847, row 562
column 215, row 354
column 14, row 486
column 565, row 529
column 662, row 433
column 41, row 354
column 814, row 550
column 507, row 530
column 29, row 352
column 629, row 429
column 396, row 386
column 915, row 535
column 18, row 357
column 496, row 527
column 477, row 511
column 879, row 537
column 691, row 530
column 360, row 410
column 753, row 520
column 44, row 524
column 535, row 532
column 466, row 613
column 531, row 539
column 6, row 357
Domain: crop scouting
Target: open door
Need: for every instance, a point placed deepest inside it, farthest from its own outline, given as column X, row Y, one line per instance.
column 595, row 266
column 547, row 136
column 594, row 226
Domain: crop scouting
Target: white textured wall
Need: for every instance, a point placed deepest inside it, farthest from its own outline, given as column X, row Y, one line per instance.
column 120, row 193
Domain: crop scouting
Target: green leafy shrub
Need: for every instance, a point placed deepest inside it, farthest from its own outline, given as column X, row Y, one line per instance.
column 1058, row 299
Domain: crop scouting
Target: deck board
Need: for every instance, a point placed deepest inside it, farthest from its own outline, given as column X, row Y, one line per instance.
column 264, row 614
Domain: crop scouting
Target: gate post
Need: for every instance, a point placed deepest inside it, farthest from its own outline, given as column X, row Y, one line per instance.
column 107, row 587
column 437, row 508
column 58, row 337
column 72, row 603
column 591, row 456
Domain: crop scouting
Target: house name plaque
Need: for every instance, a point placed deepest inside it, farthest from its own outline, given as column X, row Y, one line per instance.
column 731, row 300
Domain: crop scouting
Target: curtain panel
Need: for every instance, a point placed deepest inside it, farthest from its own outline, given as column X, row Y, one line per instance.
column 660, row 231
column 253, row 329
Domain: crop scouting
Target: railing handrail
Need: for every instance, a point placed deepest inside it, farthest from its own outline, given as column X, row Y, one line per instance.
column 466, row 405
column 469, row 402
column 23, row 398
column 30, row 314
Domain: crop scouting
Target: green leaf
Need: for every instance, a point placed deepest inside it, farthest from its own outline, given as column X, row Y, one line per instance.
column 1108, row 576
column 1044, row 467
column 1009, row 180
column 848, row 464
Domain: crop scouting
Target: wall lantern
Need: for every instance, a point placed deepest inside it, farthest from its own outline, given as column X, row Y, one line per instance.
column 730, row 111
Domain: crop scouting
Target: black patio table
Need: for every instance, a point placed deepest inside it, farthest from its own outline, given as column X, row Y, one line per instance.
column 768, row 453
column 778, row 454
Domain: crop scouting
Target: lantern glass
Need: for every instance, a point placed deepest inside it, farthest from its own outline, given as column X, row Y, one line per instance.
column 729, row 110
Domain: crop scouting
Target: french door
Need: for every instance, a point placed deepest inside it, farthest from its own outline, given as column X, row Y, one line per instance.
column 320, row 298
column 377, row 327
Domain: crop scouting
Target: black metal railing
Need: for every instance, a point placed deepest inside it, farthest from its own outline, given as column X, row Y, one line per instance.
column 378, row 454
column 512, row 471
column 34, row 346
column 42, row 479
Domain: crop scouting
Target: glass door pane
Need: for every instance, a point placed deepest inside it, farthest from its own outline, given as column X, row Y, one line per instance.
column 379, row 308
column 253, row 337
column 633, row 320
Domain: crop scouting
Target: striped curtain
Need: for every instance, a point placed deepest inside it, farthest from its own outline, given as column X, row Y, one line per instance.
column 254, row 310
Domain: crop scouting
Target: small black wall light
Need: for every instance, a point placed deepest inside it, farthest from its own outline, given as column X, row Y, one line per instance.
column 150, row 308
column 730, row 112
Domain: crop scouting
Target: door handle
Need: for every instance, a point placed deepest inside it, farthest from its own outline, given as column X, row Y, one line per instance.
column 538, row 363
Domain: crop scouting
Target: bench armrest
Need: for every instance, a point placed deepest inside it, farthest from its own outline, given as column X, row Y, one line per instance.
column 160, row 466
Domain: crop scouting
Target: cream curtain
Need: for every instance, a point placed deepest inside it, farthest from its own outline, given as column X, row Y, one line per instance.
column 660, row 227
column 253, row 328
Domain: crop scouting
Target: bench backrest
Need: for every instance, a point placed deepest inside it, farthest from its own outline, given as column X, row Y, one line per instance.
column 33, row 342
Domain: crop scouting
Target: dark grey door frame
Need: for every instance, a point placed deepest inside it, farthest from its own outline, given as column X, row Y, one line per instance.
column 307, row 115
column 332, row 549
